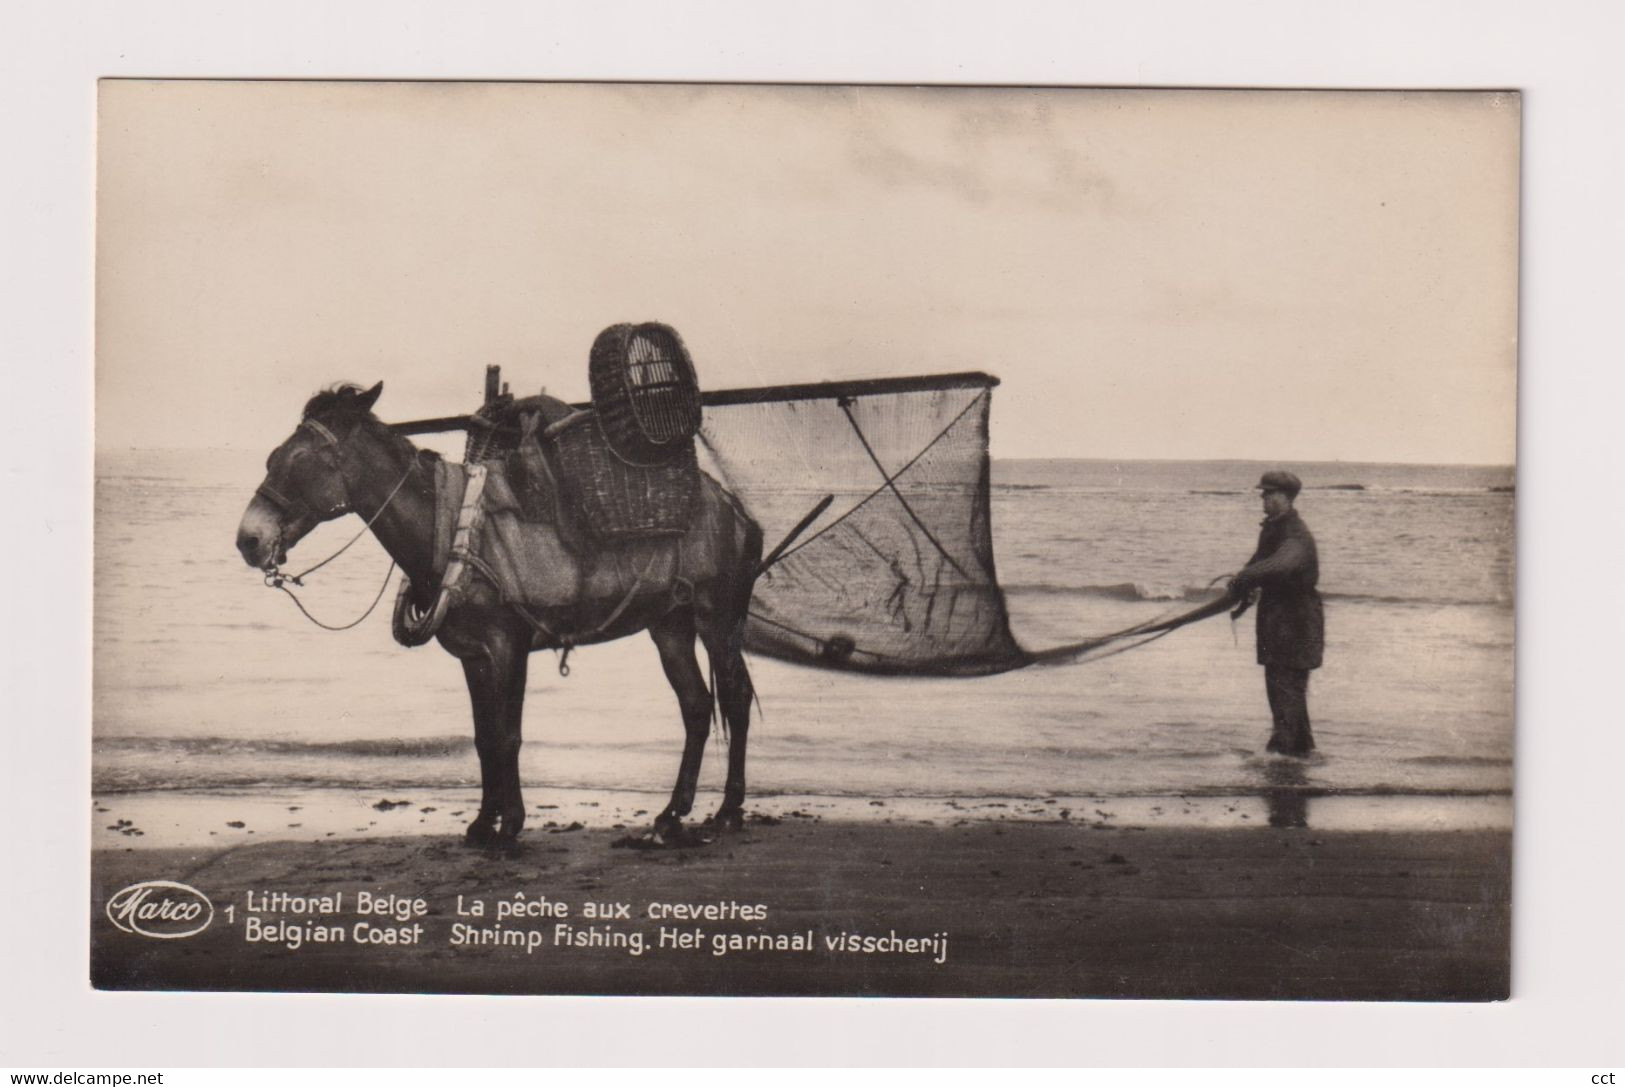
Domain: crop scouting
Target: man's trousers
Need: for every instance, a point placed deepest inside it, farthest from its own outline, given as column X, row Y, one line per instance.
column 1288, row 690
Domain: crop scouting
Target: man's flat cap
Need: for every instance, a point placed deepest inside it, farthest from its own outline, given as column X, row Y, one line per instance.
column 1285, row 482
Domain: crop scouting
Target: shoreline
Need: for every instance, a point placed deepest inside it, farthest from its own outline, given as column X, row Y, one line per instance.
column 994, row 908
column 168, row 819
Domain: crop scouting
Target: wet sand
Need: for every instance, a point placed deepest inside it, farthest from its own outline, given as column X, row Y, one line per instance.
column 1013, row 908
column 156, row 819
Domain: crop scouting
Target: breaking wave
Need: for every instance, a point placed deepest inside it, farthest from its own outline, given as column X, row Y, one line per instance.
column 426, row 747
column 1457, row 760
column 1378, row 489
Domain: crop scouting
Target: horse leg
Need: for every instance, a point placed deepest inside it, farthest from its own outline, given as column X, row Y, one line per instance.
column 510, row 798
column 734, row 693
column 674, row 638
column 496, row 686
column 476, row 671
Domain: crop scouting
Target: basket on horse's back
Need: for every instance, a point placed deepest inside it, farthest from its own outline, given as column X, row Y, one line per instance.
column 645, row 391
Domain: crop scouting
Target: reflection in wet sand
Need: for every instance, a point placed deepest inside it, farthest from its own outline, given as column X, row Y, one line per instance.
column 1285, row 793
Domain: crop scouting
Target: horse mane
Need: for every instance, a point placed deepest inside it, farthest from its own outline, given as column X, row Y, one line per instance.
column 337, row 398
column 340, row 401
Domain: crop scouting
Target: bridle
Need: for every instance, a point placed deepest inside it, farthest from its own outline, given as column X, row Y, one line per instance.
column 331, row 446
column 298, row 509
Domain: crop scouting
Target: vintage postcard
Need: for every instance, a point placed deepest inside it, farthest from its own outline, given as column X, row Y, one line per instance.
column 804, row 540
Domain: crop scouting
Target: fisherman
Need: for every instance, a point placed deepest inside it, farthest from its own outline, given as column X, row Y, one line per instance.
column 1281, row 577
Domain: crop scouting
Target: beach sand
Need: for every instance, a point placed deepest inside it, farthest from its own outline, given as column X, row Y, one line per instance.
column 1013, row 907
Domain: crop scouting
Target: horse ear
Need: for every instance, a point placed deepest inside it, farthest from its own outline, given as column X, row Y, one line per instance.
column 367, row 399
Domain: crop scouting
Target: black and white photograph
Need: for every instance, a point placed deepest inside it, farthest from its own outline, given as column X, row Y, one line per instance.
column 804, row 540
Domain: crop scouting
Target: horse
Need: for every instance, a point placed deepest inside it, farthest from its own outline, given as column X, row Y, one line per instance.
column 342, row 459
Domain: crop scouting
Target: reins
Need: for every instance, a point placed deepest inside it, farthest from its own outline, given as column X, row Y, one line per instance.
column 276, row 579
column 302, row 610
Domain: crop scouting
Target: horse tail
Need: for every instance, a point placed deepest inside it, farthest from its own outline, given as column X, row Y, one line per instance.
column 752, row 557
column 719, row 727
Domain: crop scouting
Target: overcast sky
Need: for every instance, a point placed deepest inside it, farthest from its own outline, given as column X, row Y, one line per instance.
column 1273, row 276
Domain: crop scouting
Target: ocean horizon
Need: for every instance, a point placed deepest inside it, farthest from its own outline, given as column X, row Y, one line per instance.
column 204, row 680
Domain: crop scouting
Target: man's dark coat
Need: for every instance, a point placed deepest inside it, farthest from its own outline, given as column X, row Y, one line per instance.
column 1291, row 623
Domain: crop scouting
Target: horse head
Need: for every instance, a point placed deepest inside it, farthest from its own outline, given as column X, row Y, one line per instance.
column 304, row 476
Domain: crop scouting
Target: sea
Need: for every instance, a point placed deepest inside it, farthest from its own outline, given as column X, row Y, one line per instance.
column 205, row 680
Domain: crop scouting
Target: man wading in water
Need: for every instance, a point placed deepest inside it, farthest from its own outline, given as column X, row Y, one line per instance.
column 1281, row 576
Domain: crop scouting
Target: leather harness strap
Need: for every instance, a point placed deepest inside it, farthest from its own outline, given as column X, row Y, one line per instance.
column 274, row 577
column 321, row 431
column 295, row 507
column 413, row 626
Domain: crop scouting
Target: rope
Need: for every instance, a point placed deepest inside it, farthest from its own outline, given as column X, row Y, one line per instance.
column 300, row 605
column 1147, row 632
column 1159, row 627
column 568, row 642
column 276, row 579
column 296, row 578
column 891, row 482
column 943, row 433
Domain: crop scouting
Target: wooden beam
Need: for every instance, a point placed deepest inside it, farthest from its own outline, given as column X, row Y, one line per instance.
column 765, row 394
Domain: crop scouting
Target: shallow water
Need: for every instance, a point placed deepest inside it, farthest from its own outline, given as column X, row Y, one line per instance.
column 205, row 680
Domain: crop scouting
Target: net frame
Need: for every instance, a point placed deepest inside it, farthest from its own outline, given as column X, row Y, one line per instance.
column 900, row 578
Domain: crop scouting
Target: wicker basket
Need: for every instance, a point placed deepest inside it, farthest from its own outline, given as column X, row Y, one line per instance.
column 616, row 500
column 645, row 392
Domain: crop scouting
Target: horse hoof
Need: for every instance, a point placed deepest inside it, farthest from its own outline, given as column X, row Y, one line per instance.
column 727, row 819
column 480, row 834
column 667, row 830
column 670, row 833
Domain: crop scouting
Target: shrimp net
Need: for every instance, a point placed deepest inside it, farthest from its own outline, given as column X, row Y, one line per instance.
column 895, row 575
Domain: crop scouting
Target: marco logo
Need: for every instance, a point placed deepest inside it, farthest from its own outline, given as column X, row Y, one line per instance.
column 160, row 908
